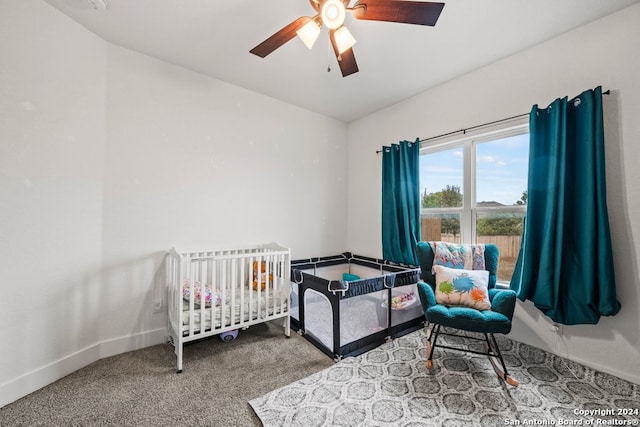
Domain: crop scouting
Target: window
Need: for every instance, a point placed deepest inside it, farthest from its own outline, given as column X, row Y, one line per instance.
column 474, row 190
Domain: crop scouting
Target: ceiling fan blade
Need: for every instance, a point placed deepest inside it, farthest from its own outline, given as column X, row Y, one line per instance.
column 280, row 37
column 346, row 59
column 402, row 11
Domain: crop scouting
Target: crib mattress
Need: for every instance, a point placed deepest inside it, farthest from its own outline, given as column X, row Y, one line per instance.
column 235, row 313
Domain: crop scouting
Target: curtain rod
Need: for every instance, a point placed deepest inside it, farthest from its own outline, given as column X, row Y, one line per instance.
column 464, row 130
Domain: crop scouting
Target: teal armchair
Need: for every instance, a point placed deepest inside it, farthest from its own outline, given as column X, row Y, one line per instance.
column 486, row 323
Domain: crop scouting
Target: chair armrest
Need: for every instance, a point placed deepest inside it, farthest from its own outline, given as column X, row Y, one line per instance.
column 503, row 301
column 427, row 296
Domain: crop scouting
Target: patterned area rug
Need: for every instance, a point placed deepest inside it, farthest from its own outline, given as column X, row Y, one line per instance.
column 391, row 386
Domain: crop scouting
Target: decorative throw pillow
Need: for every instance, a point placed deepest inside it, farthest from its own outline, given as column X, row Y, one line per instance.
column 453, row 255
column 210, row 296
column 462, row 287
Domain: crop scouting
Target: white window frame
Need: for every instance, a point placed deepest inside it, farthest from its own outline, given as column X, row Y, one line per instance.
column 468, row 142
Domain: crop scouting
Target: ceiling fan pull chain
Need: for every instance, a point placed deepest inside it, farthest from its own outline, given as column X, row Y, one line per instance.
column 329, row 50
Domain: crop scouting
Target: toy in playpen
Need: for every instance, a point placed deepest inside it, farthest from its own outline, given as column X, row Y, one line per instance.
column 403, row 301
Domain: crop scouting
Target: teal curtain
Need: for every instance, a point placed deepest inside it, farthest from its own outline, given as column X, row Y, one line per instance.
column 565, row 265
column 401, row 201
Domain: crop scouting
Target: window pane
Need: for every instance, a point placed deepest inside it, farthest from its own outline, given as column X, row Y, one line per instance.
column 501, row 171
column 441, row 227
column 505, row 231
column 441, row 179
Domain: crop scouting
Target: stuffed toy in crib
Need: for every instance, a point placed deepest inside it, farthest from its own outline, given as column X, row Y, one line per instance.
column 260, row 275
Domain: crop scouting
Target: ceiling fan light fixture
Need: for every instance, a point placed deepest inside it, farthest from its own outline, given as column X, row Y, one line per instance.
column 333, row 13
column 344, row 39
column 309, row 33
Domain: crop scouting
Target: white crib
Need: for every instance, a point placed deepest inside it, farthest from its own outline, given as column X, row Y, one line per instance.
column 212, row 292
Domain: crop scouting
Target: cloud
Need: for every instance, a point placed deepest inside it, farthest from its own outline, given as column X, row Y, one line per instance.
column 491, row 160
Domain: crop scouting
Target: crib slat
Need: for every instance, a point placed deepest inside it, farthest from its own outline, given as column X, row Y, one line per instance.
column 192, row 319
column 234, row 288
column 242, row 289
column 202, row 279
column 276, row 287
column 223, row 284
column 251, row 279
column 215, row 284
column 259, row 299
column 264, row 307
column 210, row 279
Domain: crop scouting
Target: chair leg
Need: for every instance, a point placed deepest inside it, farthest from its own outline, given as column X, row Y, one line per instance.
column 492, row 351
column 431, row 344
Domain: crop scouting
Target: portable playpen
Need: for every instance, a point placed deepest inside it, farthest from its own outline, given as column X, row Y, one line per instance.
column 213, row 292
column 348, row 304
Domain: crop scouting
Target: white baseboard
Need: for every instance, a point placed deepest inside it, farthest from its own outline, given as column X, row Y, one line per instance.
column 627, row 376
column 602, row 368
column 121, row 345
column 29, row 382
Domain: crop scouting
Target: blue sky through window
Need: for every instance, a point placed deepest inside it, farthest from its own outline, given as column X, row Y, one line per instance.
column 501, row 169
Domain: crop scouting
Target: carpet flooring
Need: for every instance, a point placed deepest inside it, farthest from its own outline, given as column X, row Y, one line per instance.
column 291, row 383
column 142, row 388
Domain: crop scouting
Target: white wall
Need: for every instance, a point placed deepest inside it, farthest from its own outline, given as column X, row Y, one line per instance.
column 196, row 162
column 52, row 141
column 107, row 159
column 602, row 53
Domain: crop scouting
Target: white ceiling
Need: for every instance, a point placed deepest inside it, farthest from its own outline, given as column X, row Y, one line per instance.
column 396, row 61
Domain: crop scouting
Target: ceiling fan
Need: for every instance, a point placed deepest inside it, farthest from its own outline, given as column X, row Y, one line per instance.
column 332, row 13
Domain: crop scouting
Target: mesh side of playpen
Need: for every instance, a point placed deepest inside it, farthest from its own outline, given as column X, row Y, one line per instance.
column 349, row 322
